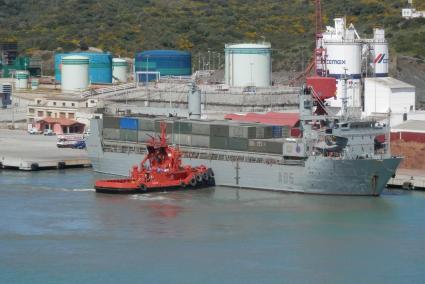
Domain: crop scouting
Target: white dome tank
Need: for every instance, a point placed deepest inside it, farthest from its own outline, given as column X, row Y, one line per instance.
column 345, row 57
column 75, row 73
column 248, row 65
column 119, row 70
column 21, row 79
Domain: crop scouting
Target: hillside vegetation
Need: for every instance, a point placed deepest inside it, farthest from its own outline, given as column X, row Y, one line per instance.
column 125, row 27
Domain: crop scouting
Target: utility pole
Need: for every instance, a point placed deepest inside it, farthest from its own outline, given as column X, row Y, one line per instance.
column 209, row 58
column 146, row 87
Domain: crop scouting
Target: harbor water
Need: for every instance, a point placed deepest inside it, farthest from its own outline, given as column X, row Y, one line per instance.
column 55, row 229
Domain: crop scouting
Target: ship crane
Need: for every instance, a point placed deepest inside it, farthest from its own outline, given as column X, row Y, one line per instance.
column 318, row 61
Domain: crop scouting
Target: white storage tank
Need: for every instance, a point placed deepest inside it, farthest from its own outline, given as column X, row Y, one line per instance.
column 75, row 73
column 344, row 57
column 248, row 65
column 21, row 79
column 379, row 53
column 119, row 70
column 34, row 84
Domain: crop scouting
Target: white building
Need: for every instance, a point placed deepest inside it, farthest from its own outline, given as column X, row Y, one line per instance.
column 61, row 106
column 411, row 13
column 383, row 94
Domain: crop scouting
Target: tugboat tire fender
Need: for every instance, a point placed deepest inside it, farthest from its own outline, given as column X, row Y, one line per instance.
column 205, row 176
column 210, row 173
column 193, row 182
column 199, row 178
column 143, row 187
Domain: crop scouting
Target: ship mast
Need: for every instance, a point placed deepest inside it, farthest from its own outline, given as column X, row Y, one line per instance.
column 344, row 98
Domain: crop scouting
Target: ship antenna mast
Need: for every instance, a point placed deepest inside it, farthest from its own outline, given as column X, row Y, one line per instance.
column 163, row 141
column 344, row 98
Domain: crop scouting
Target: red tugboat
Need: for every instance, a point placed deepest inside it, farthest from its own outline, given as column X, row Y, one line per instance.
column 160, row 170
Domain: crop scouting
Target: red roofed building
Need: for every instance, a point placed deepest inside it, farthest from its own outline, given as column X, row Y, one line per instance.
column 60, row 125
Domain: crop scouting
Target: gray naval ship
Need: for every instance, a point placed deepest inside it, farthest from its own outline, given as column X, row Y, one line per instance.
column 334, row 155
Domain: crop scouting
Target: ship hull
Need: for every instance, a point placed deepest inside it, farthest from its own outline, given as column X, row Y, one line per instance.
column 318, row 175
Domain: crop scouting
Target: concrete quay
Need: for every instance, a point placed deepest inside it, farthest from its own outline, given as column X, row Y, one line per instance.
column 408, row 179
column 22, row 151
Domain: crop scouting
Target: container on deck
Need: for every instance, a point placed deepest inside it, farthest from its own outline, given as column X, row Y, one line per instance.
column 238, row 144
column 168, row 123
column 201, row 128
column 146, row 124
column 111, row 122
column 129, row 123
column 202, row 141
column 270, row 146
column 183, row 127
column 293, row 148
column 111, row 134
column 128, row 135
column 182, row 139
column 219, row 130
column 145, row 136
column 218, row 142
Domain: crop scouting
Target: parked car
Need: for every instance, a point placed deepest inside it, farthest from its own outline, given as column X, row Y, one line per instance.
column 34, row 131
column 79, row 145
column 48, row 132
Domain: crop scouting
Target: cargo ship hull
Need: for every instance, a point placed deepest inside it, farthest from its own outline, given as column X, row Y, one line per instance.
column 315, row 175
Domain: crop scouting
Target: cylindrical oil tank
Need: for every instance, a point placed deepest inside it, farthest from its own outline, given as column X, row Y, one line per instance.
column 100, row 66
column 21, row 79
column 248, row 65
column 166, row 62
column 75, row 73
column 119, row 70
column 379, row 53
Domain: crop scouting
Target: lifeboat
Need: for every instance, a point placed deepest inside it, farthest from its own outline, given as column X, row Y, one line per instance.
column 160, row 170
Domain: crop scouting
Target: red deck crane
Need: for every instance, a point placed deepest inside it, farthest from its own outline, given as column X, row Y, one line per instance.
column 318, row 61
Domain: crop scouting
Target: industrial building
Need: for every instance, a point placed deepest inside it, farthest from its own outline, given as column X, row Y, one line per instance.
column 248, row 65
column 411, row 130
column 61, row 107
column 384, row 94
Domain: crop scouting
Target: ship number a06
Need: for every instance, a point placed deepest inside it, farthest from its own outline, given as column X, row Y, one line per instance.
column 286, row 178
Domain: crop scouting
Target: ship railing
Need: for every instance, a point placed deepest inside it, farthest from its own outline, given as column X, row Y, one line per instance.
column 205, row 153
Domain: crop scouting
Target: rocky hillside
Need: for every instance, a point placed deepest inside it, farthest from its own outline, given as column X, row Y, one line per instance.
column 125, row 27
